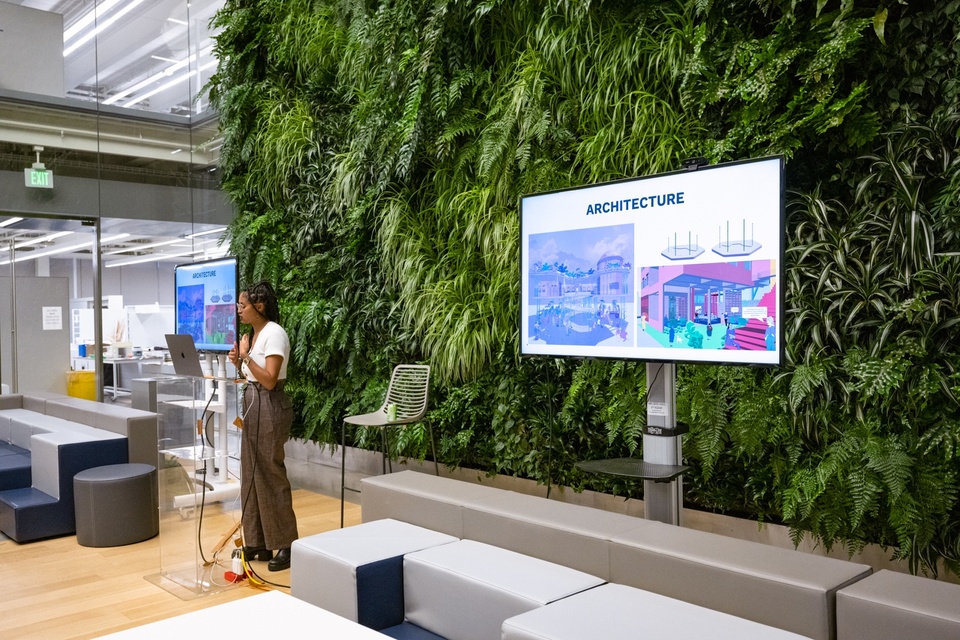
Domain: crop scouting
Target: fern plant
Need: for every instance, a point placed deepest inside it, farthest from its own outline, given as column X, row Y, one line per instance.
column 376, row 153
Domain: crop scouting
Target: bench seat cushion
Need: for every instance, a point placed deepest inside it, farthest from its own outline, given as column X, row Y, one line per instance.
column 29, row 514
column 26, row 497
column 780, row 587
column 421, row 499
column 357, row 572
column 15, row 427
column 15, row 471
column 889, row 605
column 49, row 449
column 466, row 589
column 618, row 611
column 12, row 450
column 551, row 530
column 140, row 427
column 6, row 434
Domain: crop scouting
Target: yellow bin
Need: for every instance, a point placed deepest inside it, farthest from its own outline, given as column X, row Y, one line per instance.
column 82, row 384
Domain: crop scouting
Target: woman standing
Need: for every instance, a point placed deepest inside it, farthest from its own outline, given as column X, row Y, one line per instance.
column 267, row 505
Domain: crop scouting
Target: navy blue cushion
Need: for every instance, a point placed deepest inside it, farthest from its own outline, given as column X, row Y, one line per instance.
column 15, row 471
column 26, row 498
column 380, row 593
column 28, row 514
column 7, row 449
column 410, row 631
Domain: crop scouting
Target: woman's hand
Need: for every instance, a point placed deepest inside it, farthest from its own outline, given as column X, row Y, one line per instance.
column 244, row 349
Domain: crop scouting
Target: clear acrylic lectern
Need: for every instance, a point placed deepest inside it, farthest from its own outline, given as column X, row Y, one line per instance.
column 199, row 473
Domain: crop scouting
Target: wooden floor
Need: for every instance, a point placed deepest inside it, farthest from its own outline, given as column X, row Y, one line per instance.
column 56, row 589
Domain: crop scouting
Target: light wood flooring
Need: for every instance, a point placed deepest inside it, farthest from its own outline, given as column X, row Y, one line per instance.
column 57, row 590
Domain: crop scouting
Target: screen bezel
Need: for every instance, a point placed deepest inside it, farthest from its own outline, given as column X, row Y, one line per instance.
column 231, row 263
column 743, row 357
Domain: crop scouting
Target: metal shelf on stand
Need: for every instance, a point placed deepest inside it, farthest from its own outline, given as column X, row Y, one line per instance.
column 633, row 468
column 661, row 468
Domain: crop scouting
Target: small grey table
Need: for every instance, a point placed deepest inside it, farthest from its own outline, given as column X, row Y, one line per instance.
column 633, row 468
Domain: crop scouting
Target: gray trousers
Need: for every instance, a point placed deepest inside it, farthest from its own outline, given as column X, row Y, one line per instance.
column 266, row 502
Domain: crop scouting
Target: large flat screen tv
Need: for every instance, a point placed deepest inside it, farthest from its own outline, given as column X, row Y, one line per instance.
column 206, row 294
column 674, row 267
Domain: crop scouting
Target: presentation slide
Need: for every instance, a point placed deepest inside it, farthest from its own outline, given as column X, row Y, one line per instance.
column 207, row 303
column 683, row 266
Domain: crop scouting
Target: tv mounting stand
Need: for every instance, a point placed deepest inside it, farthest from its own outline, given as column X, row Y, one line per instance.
column 661, row 468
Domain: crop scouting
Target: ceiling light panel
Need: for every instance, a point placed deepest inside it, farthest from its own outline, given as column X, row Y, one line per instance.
column 103, row 21
column 111, row 46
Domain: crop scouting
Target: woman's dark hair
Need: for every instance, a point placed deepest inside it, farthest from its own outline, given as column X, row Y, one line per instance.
column 263, row 292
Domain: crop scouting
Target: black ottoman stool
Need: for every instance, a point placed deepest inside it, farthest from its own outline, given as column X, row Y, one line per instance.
column 116, row 504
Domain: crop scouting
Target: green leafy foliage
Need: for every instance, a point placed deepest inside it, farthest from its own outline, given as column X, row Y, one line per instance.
column 376, row 152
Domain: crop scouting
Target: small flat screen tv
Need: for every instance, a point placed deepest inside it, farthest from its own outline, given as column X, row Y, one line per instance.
column 675, row 267
column 206, row 308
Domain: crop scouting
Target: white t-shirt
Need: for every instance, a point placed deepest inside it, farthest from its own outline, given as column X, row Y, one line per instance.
column 271, row 340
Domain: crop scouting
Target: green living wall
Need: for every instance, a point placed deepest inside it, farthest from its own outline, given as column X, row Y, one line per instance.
column 376, row 152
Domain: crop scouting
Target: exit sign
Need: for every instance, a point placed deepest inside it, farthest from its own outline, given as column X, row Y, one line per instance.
column 38, row 178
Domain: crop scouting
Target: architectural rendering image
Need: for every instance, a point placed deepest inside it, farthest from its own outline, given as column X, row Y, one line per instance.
column 727, row 305
column 581, row 287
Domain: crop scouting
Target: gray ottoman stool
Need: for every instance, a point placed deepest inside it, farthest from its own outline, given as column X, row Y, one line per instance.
column 116, row 504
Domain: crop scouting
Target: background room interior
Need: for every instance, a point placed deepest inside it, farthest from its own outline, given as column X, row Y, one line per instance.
column 372, row 160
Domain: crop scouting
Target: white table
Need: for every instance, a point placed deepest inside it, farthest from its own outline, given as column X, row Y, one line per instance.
column 273, row 614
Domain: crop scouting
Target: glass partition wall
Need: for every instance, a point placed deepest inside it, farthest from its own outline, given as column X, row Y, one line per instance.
column 108, row 155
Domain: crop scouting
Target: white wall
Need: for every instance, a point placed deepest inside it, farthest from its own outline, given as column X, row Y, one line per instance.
column 147, row 283
column 34, row 40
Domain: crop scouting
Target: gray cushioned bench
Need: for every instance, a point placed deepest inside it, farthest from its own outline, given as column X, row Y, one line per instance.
column 465, row 590
column 360, row 569
column 892, row 606
column 783, row 588
column 411, row 583
column 617, row 611
column 774, row 586
column 45, row 440
column 138, row 427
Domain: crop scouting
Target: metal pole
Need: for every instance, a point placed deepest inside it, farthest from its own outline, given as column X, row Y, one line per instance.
column 662, row 501
column 98, row 314
column 15, row 375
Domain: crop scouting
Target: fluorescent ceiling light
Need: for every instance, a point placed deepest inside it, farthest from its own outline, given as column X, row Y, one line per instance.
column 156, row 257
column 73, row 247
column 10, row 221
column 183, row 22
column 169, row 71
column 206, row 233
column 100, row 27
column 162, row 87
column 88, row 18
column 162, row 59
column 139, row 247
column 159, row 257
column 49, row 238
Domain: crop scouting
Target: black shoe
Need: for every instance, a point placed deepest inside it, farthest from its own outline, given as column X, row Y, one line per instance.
column 257, row 553
column 281, row 561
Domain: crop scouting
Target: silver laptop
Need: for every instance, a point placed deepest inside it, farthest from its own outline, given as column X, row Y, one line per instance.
column 183, row 353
